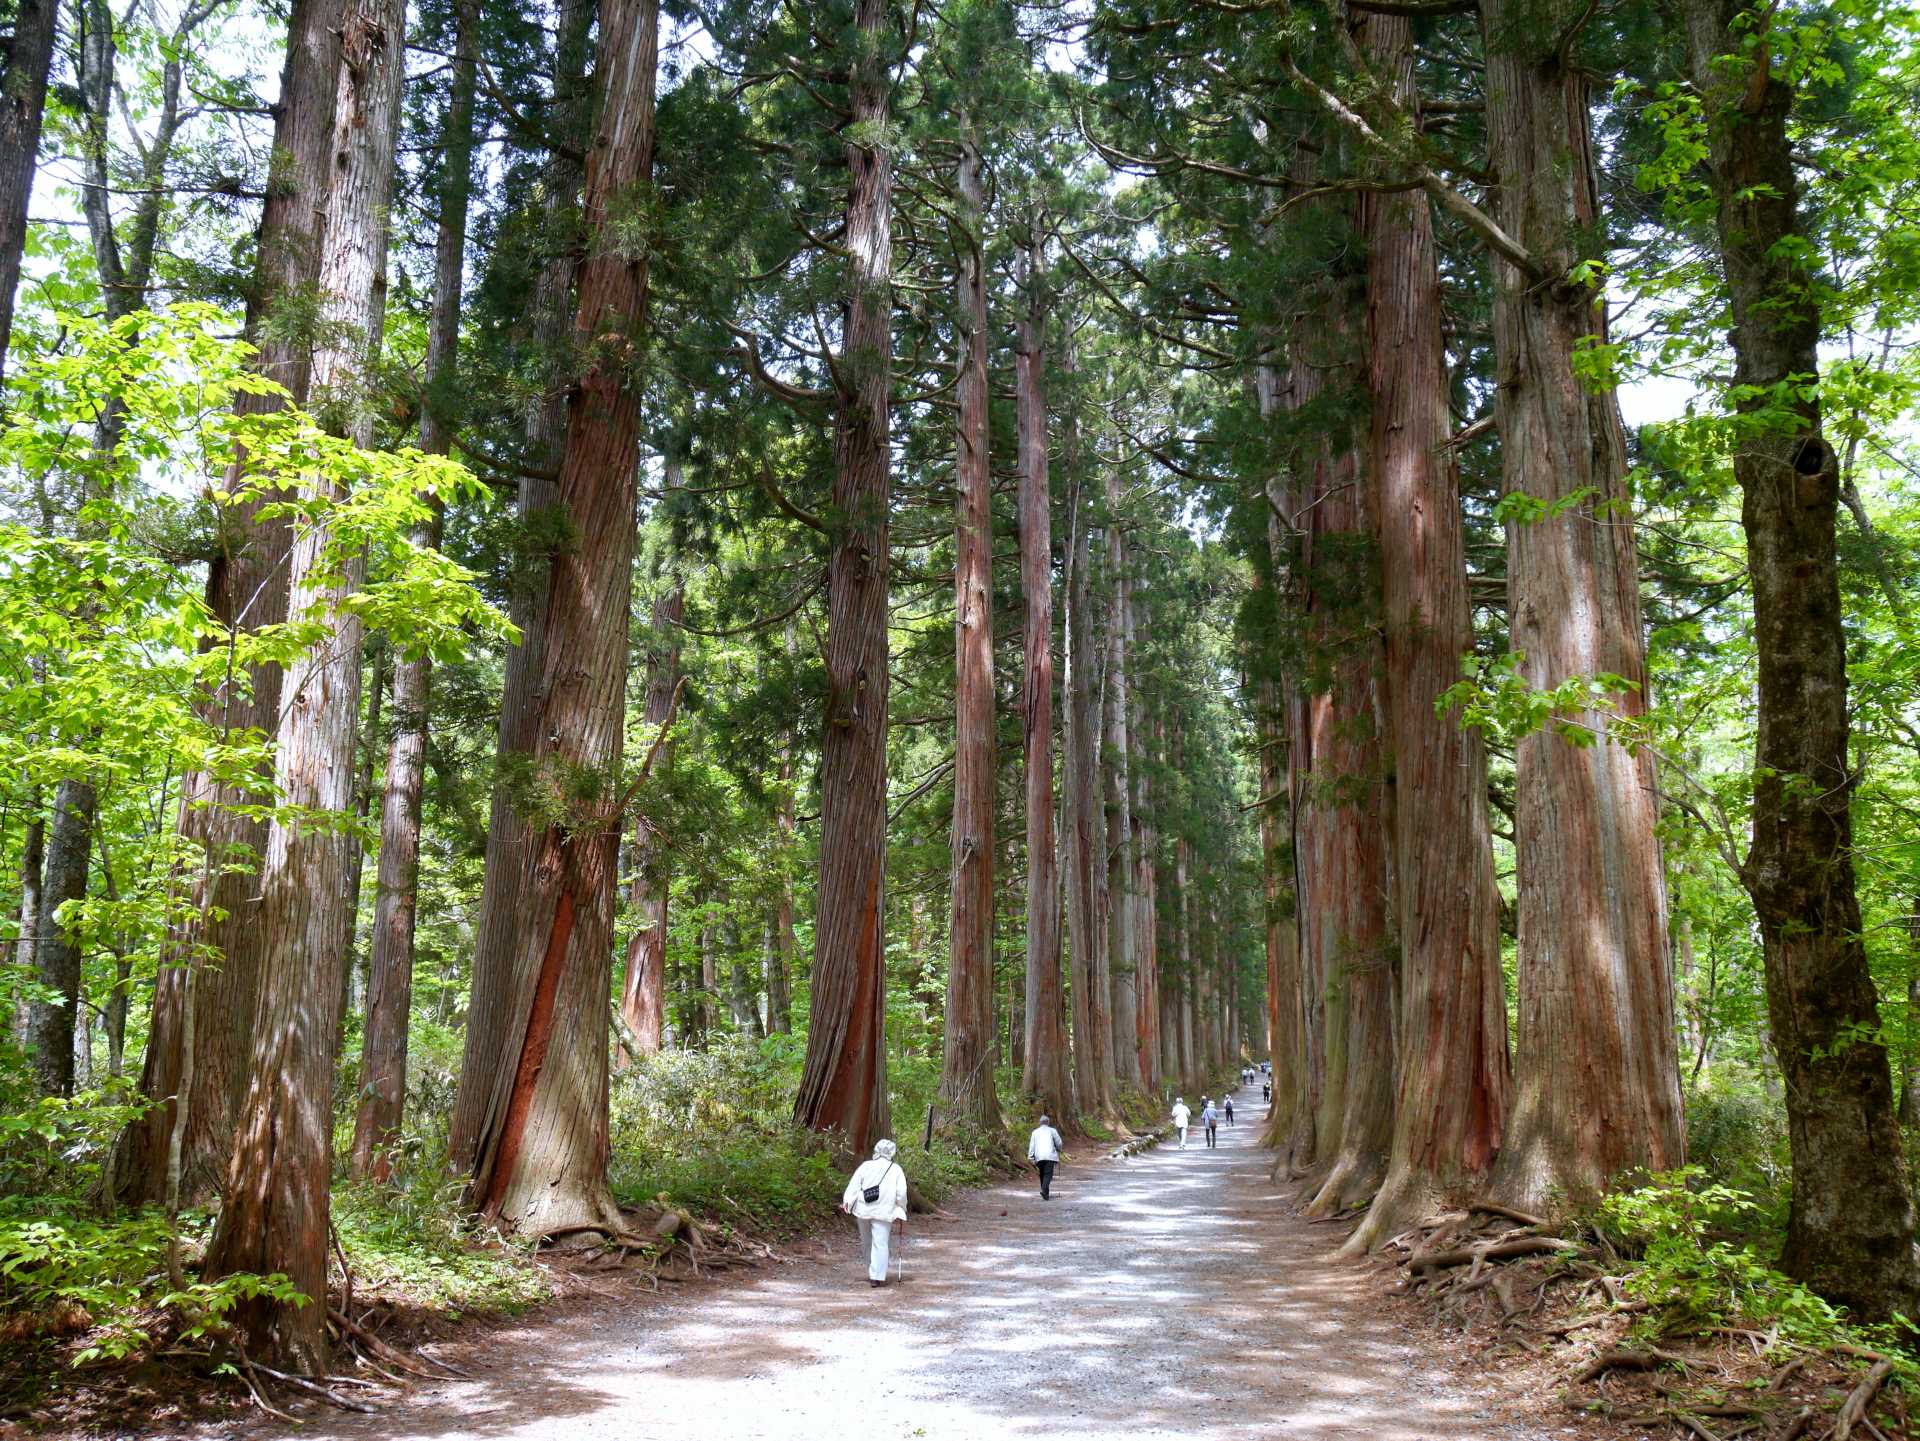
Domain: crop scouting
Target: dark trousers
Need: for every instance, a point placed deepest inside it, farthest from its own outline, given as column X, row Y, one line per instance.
column 1046, row 1177
column 1229, row 1118
column 1213, row 1134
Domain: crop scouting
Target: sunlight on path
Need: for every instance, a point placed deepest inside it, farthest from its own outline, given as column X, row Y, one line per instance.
column 1169, row 1296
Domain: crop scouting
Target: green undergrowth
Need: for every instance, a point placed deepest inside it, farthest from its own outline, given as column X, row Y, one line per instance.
column 712, row 1132
column 82, row 1282
column 1697, row 1251
column 412, row 1247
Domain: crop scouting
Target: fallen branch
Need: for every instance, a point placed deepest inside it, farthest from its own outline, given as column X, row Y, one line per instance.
column 252, row 1383
column 391, row 1356
column 301, row 1383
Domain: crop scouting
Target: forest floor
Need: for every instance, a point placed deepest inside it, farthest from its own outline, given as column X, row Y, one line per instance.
column 1169, row 1294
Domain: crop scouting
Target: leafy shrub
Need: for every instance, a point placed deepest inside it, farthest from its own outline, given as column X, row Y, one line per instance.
column 1738, row 1133
column 62, row 1268
column 712, row 1131
column 59, row 1143
column 413, row 1244
column 1694, row 1271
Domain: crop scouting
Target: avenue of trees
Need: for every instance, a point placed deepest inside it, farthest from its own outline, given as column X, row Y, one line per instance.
column 1063, row 547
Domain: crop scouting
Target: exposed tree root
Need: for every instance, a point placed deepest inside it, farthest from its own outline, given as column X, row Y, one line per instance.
column 1853, row 1411
column 389, row 1355
column 1560, row 1308
column 1520, row 1218
column 1628, row 1360
column 1477, row 1256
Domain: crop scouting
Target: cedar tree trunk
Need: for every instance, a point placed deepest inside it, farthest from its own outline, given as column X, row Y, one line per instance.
column 1047, row 1075
column 966, row 1069
column 389, row 1003
column 274, row 1216
column 1454, row 1073
column 1116, row 756
column 843, row 1086
column 219, row 956
column 509, row 831
column 1596, row 993
column 540, row 1149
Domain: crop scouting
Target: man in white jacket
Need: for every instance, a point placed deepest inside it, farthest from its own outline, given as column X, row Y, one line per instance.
column 883, row 1178
column 1044, row 1150
column 1181, row 1116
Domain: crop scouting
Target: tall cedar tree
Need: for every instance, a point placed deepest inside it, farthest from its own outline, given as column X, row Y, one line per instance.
column 1596, row 994
column 389, row 1003
column 966, row 1074
column 1123, row 1049
column 1083, row 831
column 1453, row 1068
column 509, row 828
column 274, row 1216
column 1850, row 1224
column 1290, row 1121
column 843, row 1087
column 1334, row 750
column 1046, row 1072
column 540, row 1149
column 201, row 1024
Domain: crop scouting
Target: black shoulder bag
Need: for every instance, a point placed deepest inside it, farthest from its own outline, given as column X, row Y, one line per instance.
column 872, row 1193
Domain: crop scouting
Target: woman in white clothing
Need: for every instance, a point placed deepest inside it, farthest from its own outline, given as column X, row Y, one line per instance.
column 884, row 1181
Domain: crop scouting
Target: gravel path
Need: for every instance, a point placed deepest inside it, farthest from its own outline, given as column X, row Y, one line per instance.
column 1170, row 1295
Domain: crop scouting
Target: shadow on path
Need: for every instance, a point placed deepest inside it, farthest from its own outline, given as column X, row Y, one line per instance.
column 1170, row 1295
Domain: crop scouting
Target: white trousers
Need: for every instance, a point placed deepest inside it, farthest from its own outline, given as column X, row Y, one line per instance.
column 874, row 1236
column 1183, row 1136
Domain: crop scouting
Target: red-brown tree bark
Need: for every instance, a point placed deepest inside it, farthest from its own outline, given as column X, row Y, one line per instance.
column 1291, row 1116
column 1596, row 996
column 843, row 1086
column 1851, row 1219
column 540, row 1151
column 218, row 957
column 1046, row 1073
column 1115, row 763
column 1083, row 827
column 1336, row 760
column 643, row 995
column 389, row 1004
column 509, row 833
column 1454, row 1072
column 1145, row 883
column 966, row 1068
column 274, row 1214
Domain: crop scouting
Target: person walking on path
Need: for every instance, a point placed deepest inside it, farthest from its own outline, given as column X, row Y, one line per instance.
column 1226, row 1105
column 1046, row 1149
column 1266, row 1092
column 876, row 1197
column 1181, row 1116
column 1210, row 1118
